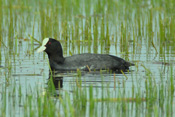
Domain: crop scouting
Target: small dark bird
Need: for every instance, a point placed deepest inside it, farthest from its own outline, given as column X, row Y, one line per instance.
column 85, row 62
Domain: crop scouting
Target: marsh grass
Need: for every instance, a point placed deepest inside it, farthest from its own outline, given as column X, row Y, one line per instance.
column 126, row 28
column 157, row 99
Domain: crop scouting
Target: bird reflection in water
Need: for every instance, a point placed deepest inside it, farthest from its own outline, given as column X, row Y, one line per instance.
column 55, row 83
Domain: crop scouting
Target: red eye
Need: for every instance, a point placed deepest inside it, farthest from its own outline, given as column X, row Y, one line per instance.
column 49, row 43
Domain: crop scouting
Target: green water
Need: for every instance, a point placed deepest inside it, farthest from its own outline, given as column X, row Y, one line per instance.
column 138, row 31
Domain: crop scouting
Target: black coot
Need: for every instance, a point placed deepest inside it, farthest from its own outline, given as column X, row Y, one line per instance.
column 85, row 62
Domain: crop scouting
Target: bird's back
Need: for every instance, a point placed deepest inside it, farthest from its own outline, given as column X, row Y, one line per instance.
column 88, row 61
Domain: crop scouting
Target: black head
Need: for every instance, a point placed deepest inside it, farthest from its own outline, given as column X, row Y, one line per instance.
column 51, row 47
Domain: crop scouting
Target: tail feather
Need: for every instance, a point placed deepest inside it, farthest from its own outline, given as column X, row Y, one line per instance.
column 127, row 64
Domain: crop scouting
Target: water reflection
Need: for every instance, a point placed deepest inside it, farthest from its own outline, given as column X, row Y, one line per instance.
column 55, row 83
column 60, row 81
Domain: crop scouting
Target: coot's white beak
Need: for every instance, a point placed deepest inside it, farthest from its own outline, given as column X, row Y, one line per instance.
column 43, row 47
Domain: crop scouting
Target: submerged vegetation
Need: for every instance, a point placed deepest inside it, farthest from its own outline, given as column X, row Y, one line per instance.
column 139, row 31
